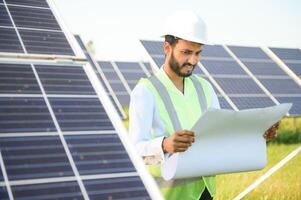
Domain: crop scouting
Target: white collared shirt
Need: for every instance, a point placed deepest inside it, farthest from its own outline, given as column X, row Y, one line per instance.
column 145, row 118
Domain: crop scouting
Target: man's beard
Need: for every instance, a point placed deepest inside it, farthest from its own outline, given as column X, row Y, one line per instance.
column 176, row 68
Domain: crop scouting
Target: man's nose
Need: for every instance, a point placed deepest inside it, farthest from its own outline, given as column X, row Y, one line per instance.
column 193, row 59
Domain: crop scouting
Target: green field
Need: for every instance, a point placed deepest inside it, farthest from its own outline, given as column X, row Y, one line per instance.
column 284, row 184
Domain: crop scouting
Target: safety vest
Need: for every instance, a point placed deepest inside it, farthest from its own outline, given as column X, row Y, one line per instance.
column 180, row 112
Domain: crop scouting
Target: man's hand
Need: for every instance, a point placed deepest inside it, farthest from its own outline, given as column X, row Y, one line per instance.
column 271, row 133
column 178, row 142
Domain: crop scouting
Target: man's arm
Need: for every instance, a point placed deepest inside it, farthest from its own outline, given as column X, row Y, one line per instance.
column 142, row 114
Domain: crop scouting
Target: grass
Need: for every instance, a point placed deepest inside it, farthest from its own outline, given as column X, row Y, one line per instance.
column 284, row 184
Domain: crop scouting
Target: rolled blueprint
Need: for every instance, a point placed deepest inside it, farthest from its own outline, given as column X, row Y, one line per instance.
column 226, row 141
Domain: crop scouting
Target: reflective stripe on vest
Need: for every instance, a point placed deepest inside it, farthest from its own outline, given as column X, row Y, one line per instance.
column 167, row 101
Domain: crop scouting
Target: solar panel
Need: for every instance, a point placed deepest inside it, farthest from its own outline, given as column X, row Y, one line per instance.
column 273, row 78
column 148, row 67
column 4, row 17
column 61, row 190
column 9, row 41
column 44, row 155
column 239, row 86
column 115, row 82
column 32, row 30
column 132, row 72
column 224, row 103
column 296, row 109
column 218, row 67
column 215, row 52
column 24, row 114
column 232, row 79
column 291, row 57
column 57, row 140
column 287, row 53
column 35, row 3
column 18, row 79
column 102, row 78
column 3, row 192
column 252, row 102
column 248, row 52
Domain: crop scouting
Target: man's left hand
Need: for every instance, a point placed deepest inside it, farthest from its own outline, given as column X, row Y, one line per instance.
column 271, row 133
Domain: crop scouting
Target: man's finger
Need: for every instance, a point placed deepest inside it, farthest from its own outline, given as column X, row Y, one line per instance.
column 182, row 145
column 185, row 139
column 185, row 132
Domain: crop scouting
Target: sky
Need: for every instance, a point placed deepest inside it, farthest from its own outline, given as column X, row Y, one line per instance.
column 116, row 26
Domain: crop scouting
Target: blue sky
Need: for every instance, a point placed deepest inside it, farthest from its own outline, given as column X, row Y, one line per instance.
column 115, row 26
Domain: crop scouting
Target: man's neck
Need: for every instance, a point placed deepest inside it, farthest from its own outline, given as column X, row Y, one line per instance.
column 177, row 80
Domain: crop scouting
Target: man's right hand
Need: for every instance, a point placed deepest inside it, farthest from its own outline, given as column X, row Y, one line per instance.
column 178, row 142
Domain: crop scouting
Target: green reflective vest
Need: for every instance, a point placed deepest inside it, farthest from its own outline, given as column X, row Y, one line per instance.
column 188, row 109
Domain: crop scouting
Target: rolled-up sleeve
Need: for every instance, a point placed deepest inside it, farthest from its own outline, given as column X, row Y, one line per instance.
column 141, row 114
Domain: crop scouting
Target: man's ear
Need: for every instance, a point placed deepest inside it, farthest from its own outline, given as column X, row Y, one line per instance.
column 167, row 48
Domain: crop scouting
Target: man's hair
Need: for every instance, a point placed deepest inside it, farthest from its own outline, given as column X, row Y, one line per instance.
column 172, row 40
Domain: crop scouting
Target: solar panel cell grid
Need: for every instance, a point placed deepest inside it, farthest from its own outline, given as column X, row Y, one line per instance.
column 59, row 191
column 33, row 18
column 4, row 17
column 99, row 154
column 287, row 54
column 159, row 61
column 134, row 66
column 214, row 51
column 281, row 86
column 18, row 79
column 296, row 109
column 3, row 193
column 113, row 188
column 223, row 67
column 296, row 68
column 252, row 102
column 64, row 80
column 124, row 99
column 248, row 52
column 148, row 67
column 45, row 42
column 36, row 3
column 239, row 86
column 265, row 68
column 223, row 103
column 134, row 75
column 24, row 114
column 34, row 157
column 9, row 41
column 153, row 47
column 80, row 114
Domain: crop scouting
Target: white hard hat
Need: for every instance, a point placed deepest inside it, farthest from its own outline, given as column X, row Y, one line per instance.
column 186, row 25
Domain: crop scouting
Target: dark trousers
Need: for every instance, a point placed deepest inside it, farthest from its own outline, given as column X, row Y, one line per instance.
column 206, row 195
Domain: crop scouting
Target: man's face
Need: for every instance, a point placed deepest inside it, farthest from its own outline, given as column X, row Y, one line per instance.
column 184, row 56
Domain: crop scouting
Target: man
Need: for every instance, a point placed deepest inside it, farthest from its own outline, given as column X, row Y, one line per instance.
column 164, row 108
